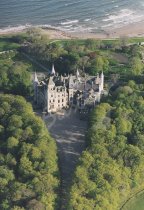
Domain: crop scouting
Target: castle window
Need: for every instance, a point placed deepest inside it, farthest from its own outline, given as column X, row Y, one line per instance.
column 62, row 100
column 52, row 107
column 51, row 95
column 58, row 101
column 53, row 100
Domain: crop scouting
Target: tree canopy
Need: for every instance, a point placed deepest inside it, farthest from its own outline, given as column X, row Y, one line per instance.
column 111, row 169
column 29, row 177
column 15, row 77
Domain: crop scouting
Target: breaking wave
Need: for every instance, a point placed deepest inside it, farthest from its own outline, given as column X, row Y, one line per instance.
column 123, row 17
column 69, row 22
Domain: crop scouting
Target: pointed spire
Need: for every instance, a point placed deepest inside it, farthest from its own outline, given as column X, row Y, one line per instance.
column 61, row 78
column 35, row 77
column 53, row 70
column 77, row 73
column 102, row 75
column 101, row 82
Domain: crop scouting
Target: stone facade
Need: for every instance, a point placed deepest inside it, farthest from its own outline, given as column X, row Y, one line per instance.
column 55, row 92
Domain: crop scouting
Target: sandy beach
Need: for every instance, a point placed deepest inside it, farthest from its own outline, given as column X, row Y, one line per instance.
column 131, row 30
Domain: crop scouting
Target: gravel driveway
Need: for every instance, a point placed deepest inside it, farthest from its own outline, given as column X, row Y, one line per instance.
column 69, row 132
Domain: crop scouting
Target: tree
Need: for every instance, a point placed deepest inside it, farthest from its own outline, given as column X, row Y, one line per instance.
column 112, row 167
column 136, row 66
column 28, row 158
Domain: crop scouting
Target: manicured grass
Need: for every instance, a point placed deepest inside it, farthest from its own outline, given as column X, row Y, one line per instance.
column 136, row 40
column 136, row 203
column 7, row 44
column 11, row 41
column 12, row 57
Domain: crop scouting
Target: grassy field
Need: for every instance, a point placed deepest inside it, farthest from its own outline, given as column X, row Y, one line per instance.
column 6, row 43
column 136, row 203
column 106, row 41
column 8, row 59
column 12, row 42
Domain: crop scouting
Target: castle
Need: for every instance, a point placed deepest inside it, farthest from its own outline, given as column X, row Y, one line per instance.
column 55, row 92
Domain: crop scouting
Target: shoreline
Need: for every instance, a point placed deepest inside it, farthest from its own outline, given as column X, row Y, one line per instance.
column 131, row 30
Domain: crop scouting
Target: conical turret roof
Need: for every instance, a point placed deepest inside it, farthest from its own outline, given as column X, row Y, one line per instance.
column 35, row 77
column 77, row 73
column 53, row 70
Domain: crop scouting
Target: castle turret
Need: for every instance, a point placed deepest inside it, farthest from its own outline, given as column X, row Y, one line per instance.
column 70, row 90
column 77, row 73
column 101, row 85
column 51, row 82
column 35, row 86
column 35, row 77
column 61, row 78
column 53, row 70
column 97, row 79
column 50, row 92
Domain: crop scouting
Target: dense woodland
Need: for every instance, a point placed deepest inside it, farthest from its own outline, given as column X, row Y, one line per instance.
column 112, row 168
column 29, row 176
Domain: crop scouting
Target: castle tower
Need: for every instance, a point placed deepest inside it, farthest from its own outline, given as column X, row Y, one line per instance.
column 70, row 90
column 53, row 72
column 61, row 78
column 35, row 77
column 101, row 85
column 35, row 86
column 97, row 79
column 78, row 75
column 50, row 93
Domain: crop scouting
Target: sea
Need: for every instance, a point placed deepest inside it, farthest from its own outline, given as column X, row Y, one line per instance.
column 70, row 15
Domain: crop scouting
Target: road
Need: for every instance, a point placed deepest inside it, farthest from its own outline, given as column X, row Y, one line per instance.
column 69, row 133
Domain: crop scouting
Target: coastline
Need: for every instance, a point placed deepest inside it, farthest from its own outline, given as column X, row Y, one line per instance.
column 131, row 30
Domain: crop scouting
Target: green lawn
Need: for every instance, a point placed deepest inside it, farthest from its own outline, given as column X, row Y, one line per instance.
column 10, row 58
column 136, row 203
column 7, row 44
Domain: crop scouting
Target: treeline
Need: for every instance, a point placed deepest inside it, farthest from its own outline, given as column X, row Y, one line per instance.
column 15, row 77
column 112, row 168
column 90, row 56
column 29, row 177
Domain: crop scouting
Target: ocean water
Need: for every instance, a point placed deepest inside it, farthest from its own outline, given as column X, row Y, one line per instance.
column 70, row 15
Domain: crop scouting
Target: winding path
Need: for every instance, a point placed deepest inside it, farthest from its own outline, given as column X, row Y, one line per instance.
column 69, row 132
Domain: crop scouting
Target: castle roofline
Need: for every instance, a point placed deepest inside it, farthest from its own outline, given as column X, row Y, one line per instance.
column 50, row 81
